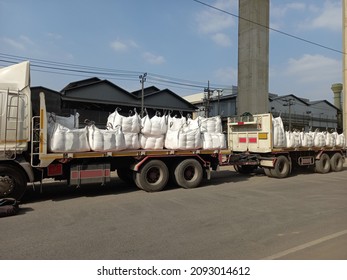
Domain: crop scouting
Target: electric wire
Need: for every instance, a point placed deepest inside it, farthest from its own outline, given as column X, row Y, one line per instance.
column 54, row 67
column 270, row 28
column 85, row 71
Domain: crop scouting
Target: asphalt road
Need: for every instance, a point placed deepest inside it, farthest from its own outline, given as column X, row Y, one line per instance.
column 232, row 216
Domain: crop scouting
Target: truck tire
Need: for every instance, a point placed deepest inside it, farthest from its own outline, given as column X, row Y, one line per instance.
column 323, row 164
column 188, row 173
column 153, row 176
column 126, row 175
column 13, row 182
column 281, row 168
column 336, row 162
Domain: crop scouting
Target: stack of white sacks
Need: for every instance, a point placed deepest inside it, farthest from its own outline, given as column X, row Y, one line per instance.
column 295, row 139
column 153, row 132
column 132, row 133
column 212, row 135
column 129, row 126
column 64, row 135
column 183, row 134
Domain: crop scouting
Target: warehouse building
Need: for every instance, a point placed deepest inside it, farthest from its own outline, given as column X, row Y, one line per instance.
column 94, row 99
column 296, row 112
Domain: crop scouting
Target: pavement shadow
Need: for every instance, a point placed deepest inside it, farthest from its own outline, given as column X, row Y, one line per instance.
column 59, row 190
column 309, row 170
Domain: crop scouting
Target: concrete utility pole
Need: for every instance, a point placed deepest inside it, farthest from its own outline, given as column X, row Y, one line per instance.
column 253, row 57
column 142, row 81
column 344, row 107
column 290, row 103
column 207, row 100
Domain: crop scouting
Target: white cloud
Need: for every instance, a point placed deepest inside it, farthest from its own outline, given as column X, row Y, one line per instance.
column 26, row 40
column 153, row 59
column 329, row 17
column 118, row 46
column 13, row 43
column 54, row 36
column 278, row 13
column 21, row 43
column 121, row 46
column 281, row 11
column 314, row 68
column 213, row 22
column 309, row 76
column 222, row 39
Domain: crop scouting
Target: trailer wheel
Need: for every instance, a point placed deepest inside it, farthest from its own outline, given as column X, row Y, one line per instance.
column 281, row 168
column 153, row 176
column 323, row 164
column 13, row 182
column 336, row 162
column 126, row 175
column 188, row 173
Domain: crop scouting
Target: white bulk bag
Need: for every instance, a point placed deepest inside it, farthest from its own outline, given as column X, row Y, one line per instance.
column 319, row 139
column 70, row 122
column 211, row 125
column 306, row 139
column 213, row 141
column 69, row 140
column 340, row 139
column 293, row 139
column 183, row 139
column 152, row 142
column 278, row 132
column 175, row 123
column 128, row 124
column 190, row 139
column 131, row 140
column 106, row 140
column 330, row 139
column 157, row 125
column 183, row 134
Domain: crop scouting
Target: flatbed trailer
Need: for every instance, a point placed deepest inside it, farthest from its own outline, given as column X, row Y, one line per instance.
column 25, row 156
column 252, row 142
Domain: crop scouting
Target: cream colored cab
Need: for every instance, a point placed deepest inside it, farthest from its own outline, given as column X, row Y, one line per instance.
column 15, row 109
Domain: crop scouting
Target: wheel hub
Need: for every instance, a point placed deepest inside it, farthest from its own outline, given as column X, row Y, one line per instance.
column 189, row 173
column 153, row 175
column 6, row 185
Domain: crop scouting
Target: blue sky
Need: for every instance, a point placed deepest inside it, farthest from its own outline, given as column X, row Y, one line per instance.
column 182, row 40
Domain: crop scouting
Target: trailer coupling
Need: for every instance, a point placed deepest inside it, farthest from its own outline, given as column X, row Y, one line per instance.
column 244, row 159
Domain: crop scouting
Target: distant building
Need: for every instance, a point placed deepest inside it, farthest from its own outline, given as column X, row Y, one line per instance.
column 297, row 113
column 94, row 99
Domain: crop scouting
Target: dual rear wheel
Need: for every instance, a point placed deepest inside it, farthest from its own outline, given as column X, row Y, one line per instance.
column 154, row 174
column 325, row 164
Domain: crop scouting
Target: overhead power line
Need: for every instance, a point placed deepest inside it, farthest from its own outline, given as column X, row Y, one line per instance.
column 270, row 28
column 53, row 67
